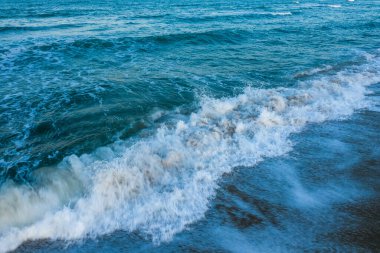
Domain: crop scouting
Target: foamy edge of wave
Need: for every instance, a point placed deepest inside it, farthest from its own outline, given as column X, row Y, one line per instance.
column 161, row 184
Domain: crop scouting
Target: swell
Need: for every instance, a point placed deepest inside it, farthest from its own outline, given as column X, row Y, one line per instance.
column 15, row 13
column 225, row 36
column 223, row 16
column 208, row 37
column 212, row 37
column 160, row 184
column 37, row 28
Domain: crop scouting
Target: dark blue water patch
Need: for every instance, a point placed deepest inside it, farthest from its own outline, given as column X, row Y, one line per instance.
column 89, row 43
column 229, row 36
column 206, row 38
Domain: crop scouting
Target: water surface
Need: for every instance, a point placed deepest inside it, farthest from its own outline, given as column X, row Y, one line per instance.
column 189, row 126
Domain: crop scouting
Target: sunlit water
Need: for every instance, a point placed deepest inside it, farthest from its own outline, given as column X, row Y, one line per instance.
column 194, row 126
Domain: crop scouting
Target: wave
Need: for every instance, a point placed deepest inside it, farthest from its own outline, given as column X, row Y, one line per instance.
column 318, row 5
column 314, row 71
column 37, row 28
column 334, row 5
column 159, row 185
column 232, row 15
column 285, row 13
column 16, row 13
column 223, row 36
column 227, row 36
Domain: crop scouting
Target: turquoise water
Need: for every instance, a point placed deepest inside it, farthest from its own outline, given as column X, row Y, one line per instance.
column 189, row 126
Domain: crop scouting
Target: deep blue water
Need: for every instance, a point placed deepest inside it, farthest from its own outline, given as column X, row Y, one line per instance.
column 194, row 126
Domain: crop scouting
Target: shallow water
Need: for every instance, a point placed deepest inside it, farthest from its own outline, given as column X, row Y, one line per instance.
column 189, row 126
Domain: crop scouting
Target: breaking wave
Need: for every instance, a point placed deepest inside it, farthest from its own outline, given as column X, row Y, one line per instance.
column 158, row 185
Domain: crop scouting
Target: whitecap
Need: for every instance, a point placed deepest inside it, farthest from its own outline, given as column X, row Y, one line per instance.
column 334, row 5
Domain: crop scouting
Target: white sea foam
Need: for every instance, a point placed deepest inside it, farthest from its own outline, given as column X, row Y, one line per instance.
column 160, row 184
column 275, row 13
column 334, row 5
column 285, row 13
column 314, row 71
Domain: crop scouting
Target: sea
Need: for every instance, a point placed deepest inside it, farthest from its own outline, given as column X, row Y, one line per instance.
column 189, row 126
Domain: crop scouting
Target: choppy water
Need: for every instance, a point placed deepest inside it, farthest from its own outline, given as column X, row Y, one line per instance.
column 189, row 126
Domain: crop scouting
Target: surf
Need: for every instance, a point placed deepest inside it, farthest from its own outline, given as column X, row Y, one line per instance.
column 159, row 185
